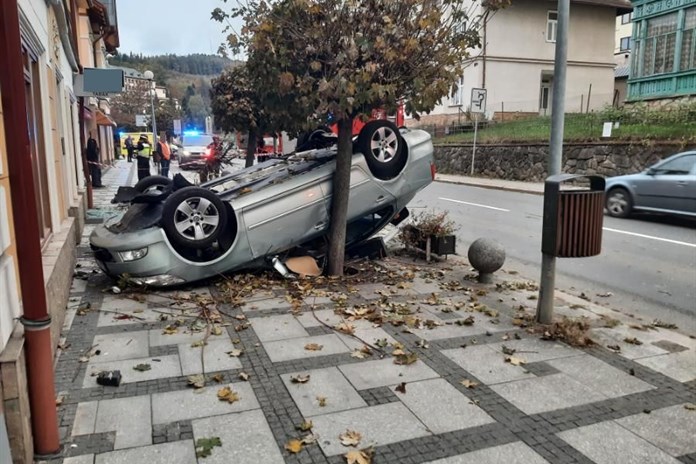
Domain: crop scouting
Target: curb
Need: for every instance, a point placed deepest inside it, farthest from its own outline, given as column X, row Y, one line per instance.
column 490, row 187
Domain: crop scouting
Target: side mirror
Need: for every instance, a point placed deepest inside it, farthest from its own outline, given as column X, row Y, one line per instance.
column 651, row 171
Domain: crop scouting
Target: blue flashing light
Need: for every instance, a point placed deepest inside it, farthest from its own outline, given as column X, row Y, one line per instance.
column 120, row 134
column 191, row 132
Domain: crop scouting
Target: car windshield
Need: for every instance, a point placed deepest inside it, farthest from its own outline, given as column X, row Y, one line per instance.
column 197, row 140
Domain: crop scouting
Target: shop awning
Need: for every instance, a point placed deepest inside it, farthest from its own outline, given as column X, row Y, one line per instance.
column 104, row 120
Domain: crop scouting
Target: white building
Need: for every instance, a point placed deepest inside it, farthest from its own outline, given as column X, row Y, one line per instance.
column 516, row 62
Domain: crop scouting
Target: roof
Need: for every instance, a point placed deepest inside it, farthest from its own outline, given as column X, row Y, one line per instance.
column 621, row 71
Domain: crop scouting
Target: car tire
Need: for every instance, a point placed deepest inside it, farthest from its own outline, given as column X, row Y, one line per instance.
column 619, row 202
column 194, row 217
column 383, row 148
column 153, row 184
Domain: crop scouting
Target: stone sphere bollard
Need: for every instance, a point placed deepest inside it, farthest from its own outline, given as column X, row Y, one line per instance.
column 486, row 256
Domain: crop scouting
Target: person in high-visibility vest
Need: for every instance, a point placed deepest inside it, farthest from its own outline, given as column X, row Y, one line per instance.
column 165, row 152
column 144, row 152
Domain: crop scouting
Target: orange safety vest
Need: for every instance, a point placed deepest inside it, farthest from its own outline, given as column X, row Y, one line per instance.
column 166, row 152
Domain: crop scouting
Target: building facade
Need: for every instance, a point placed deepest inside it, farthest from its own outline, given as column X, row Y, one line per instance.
column 516, row 62
column 663, row 63
column 38, row 102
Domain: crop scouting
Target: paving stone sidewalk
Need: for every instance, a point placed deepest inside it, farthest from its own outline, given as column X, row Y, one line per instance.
column 629, row 403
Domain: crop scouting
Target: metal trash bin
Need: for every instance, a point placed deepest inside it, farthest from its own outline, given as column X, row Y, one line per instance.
column 573, row 218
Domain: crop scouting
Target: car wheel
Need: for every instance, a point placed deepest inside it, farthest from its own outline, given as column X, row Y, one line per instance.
column 383, row 148
column 619, row 203
column 194, row 217
column 153, row 184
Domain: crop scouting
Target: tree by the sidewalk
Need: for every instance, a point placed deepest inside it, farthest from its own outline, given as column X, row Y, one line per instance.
column 237, row 107
column 135, row 100
column 346, row 57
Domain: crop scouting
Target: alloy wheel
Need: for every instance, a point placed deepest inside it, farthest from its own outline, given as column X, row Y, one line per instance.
column 384, row 144
column 196, row 218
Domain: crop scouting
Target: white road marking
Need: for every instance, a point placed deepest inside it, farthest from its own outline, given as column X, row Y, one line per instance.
column 660, row 239
column 475, row 204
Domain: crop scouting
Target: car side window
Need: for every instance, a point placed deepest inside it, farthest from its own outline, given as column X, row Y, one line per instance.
column 680, row 166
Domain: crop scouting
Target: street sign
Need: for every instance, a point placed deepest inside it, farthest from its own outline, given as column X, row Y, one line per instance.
column 142, row 120
column 177, row 126
column 478, row 100
column 98, row 82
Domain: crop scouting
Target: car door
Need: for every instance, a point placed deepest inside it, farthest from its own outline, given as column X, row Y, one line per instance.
column 366, row 195
column 670, row 185
column 290, row 213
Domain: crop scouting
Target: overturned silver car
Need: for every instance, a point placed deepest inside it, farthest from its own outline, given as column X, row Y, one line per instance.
column 174, row 232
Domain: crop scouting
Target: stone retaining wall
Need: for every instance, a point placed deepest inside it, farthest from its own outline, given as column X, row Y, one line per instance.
column 527, row 162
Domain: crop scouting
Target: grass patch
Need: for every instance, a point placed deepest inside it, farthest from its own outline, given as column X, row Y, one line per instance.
column 579, row 128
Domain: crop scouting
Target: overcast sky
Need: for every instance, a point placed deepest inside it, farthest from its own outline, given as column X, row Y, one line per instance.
column 155, row 27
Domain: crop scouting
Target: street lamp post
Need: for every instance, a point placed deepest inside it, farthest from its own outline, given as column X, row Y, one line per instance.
column 150, row 76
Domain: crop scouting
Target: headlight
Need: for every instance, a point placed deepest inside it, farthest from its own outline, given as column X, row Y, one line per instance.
column 186, row 153
column 132, row 255
column 160, row 280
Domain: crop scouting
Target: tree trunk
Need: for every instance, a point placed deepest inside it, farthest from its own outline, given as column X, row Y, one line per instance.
column 250, row 149
column 339, row 199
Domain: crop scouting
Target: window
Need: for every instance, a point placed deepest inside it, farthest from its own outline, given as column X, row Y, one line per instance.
column 32, row 92
column 625, row 44
column 688, row 51
column 626, row 18
column 457, row 93
column 551, row 26
column 676, row 167
column 660, row 45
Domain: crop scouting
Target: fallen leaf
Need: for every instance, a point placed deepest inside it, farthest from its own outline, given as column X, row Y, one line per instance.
column 310, row 439
column 302, row 378
column 468, row 321
column 216, row 330
column 350, row 438
column 59, row 400
column 515, row 361
column 294, row 446
column 345, row 328
column 690, row 406
column 244, row 376
column 359, row 457
column 235, row 353
column 358, row 354
column 170, row 330
column 422, row 344
column 508, row 351
column 604, row 295
column 240, row 317
column 469, row 383
column 322, row 401
column 398, row 352
column 401, row 388
column 198, row 344
column 616, row 348
column 406, row 359
column 633, row 341
column 142, row 367
column 664, row 325
column 381, row 342
column 83, row 359
column 305, row 426
column 196, row 381
column 227, row 394
column 219, row 378
column 204, row 446
column 313, row 347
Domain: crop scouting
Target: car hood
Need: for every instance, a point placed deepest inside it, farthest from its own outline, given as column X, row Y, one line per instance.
column 622, row 179
column 195, row 148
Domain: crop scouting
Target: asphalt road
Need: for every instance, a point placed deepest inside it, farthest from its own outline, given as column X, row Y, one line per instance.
column 648, row 263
